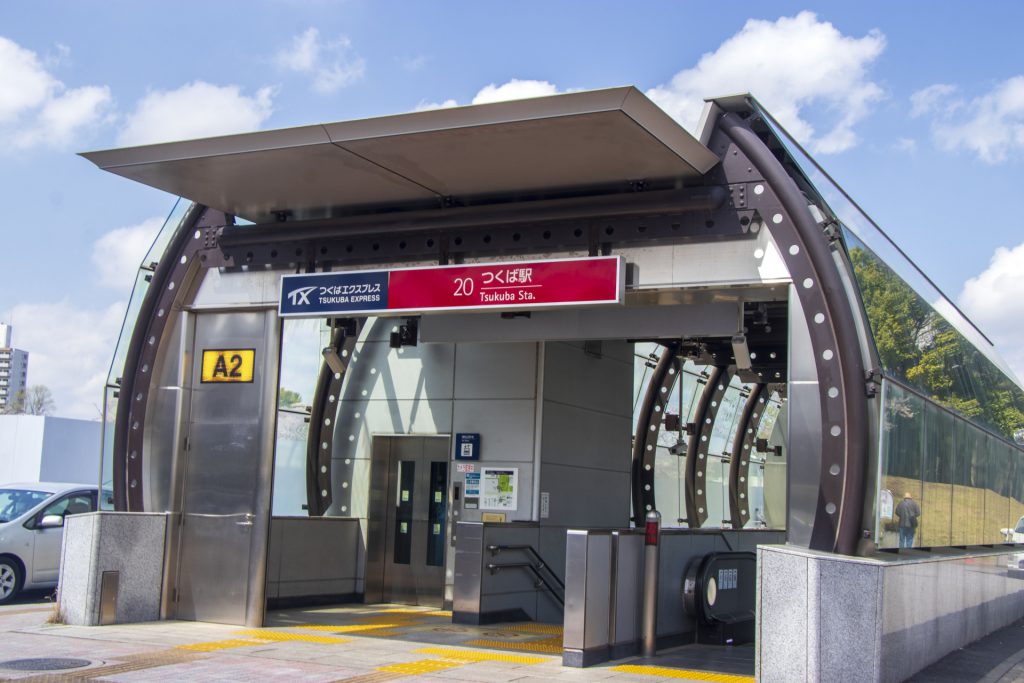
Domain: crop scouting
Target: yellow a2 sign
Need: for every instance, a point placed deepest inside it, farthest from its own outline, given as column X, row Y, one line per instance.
column 228, row 365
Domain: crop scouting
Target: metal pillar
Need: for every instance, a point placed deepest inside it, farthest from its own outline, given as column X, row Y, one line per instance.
column 649, row 616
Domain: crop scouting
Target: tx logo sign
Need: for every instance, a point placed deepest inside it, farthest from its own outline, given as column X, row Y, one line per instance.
column 300, row 296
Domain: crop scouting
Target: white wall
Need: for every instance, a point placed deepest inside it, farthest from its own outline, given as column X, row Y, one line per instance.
column 21, row 447
column 37, row 448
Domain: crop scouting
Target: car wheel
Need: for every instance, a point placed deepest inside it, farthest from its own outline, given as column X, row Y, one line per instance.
column 10, row 579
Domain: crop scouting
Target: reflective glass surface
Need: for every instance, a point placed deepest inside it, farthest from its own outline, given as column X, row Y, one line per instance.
column 917, row 345
column 167, row 231
column 302, row 342
column 833, row 200
column 963, row 480
column 131, row 318
column 670, row 460
column 290, row 465
column 106, row 472
column 146, row 268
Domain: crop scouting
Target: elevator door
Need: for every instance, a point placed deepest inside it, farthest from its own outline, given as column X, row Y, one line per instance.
column 408, row 520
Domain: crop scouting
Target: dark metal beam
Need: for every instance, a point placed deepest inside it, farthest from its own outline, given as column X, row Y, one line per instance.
column 827, row 306
column 320, row 437
column 695, row 483
column 576, row 208
column 739, row 465
column 648, row 426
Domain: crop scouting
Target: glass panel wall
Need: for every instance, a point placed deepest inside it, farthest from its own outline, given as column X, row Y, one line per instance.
column 964, row 481
column 919, row 347
column 116, row 371
column 302, row 341
column 670, row 461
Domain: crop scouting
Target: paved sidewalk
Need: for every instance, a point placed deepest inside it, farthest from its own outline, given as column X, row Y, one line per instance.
column 360, row 644
column 996, row 658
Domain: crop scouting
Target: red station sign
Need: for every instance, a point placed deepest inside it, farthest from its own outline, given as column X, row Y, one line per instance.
column 509, row 285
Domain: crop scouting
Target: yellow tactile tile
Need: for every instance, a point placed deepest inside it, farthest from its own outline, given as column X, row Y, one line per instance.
column 667, row 672
column 422, row 666
column 282, row 636
column 439, row 613
column 351, row 628
column 222, row 644
column 477, row 656
column 530, row 627
column 545, row 645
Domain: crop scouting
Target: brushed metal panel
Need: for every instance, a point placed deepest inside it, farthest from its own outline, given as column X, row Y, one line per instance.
column 599, row 581
column 109, row 587
column 595, row 138
column 226, row 505
column 628, row 587
column 576, row 557
column 469, row 554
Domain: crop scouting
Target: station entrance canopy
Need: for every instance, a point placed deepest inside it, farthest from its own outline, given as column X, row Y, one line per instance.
column 589, row 173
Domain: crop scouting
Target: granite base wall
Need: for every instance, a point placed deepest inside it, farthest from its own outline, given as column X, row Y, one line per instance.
column 824, row 617
column 129, row 543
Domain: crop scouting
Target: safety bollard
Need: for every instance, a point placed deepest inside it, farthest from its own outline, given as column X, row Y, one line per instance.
column 652, row 535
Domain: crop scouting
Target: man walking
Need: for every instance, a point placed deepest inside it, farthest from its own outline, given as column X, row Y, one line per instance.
column 907, row 513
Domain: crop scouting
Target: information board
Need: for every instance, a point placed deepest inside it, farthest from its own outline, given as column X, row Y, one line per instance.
column 508, row 285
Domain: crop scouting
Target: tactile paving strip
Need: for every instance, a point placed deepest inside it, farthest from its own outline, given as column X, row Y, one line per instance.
column 530, row 627
column 476, row 656
column 689, row 674
column 421, row 666
column 215, row 645
column 544, row 645
column 284, row 636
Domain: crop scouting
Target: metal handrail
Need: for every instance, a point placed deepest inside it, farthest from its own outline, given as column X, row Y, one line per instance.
column 534, row 567
column 541, row 564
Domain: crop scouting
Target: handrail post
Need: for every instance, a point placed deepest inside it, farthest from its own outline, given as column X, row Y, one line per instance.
column 652, row 534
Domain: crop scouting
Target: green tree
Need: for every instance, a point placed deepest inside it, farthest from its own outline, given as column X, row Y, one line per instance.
column 286, row 398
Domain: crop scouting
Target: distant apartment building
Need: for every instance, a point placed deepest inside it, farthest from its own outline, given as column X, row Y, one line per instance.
column 13, row 367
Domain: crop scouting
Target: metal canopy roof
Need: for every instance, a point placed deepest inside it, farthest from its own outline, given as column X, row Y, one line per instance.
column 585, row 141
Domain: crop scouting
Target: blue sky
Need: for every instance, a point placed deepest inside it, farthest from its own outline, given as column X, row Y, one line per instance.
column 917, row 111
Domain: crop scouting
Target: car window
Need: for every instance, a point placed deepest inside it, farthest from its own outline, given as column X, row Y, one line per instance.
column 1020, row 526
column 74, row 504
column 16, row 502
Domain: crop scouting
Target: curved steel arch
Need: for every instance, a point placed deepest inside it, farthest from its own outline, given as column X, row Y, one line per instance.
column 739, row 465
column 320, row 439
column 697, row 449
column 808, row 254
column 190, row 250
column 648, row 426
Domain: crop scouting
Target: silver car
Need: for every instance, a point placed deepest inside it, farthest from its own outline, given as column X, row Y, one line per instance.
column 31, row 532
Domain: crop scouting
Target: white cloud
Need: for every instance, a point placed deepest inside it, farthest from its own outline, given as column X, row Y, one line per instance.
column 991, row 126
column 427, row 106
column 118, row 253
column 35, row 107
column 331, row 64
column 926, row 100
column 794, row 66
column 514, row 89
column 908, row 145
column 195, row 110
column 995, row 301
column 74, row 366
